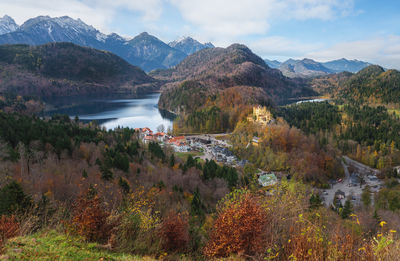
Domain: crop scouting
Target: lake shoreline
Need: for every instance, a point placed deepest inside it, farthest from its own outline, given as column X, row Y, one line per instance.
column 115, row 111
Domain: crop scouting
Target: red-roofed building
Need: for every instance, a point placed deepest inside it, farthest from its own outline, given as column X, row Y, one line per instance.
column 144, row 132
column 149, row 138
column 179, row 144
column 147, row 130
column 161, row 136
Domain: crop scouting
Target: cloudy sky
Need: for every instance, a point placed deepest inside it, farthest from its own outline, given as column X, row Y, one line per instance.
column 275, row 29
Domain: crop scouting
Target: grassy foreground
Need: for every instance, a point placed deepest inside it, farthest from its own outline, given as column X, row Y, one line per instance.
column 52, row 245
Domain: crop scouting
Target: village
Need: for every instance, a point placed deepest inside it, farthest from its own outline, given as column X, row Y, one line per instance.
column 216, row 147
column 212, row 146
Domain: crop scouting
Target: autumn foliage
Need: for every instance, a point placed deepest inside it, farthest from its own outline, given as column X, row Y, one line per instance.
column 90, row 219
column 174, row 232
column 9, row 227
column 238, row 229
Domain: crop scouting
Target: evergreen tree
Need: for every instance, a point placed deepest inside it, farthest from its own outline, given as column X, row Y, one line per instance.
column 124, row 185
column 347, row 209
column 196, row 207
column 84, row 174
column 172, row 160
column 13, row 198
column 315, row 201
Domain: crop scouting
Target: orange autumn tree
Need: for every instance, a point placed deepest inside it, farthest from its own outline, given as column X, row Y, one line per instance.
column 239, row 227
column 90, row 218
column 174, row 232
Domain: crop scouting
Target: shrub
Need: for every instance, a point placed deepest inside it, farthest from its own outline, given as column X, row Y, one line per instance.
column 139, row 223
column 174, row 232
column 90, row 219
column 9, row 227
column 238, row 229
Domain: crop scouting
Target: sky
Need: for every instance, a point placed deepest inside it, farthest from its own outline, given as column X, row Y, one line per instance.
column 367, row 30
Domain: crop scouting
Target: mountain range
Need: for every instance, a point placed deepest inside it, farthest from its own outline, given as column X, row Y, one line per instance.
column 144, row 50
column 309, row 68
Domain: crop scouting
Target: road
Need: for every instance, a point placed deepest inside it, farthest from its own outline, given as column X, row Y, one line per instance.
column 353, row 191
column 361, row 167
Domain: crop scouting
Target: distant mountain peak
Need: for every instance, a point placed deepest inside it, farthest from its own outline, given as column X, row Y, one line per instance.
column 7, row 18
column 237, row 46
column 186, row 38
column 308, row 60
column 65, row 22
column 145, row 36
column 344, row 64
column 273, row 63
column 303, row 68
column 7, row 25
column 117, row 37
column 188, row 45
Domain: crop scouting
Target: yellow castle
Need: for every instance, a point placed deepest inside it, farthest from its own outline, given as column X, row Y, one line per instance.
column 260, row 115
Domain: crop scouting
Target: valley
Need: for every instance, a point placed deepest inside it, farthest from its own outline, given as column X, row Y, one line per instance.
column 118, row 148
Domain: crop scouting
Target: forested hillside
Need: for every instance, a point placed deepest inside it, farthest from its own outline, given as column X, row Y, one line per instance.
column 65, row 69
column 368, row 134
column 373, row 85
column 76, row 191
column 201, row 80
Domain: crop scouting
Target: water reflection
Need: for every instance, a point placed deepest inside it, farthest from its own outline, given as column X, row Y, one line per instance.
column 112, row 112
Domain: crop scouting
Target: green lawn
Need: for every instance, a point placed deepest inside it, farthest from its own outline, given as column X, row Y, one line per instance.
column 52, row 245
column 184, row 155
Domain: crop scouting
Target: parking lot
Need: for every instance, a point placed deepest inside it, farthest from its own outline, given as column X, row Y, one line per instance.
column 352, row 189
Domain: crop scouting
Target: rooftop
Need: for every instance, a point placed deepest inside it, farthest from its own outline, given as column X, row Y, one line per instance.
column 267, row 180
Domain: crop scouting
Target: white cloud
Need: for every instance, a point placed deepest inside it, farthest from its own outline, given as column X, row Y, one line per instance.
column 235, row 18
column 276, row 46
column 98, row 13
column 382, row 50
column 315, row 9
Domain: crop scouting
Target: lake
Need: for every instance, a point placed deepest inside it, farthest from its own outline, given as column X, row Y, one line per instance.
column 113, row 112
column 313, row 100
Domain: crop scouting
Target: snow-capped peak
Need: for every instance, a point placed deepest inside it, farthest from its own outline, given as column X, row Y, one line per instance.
column 7, row 25
column 184, row 39
column 118, row 37
column 189, row 45
column 68, row 22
